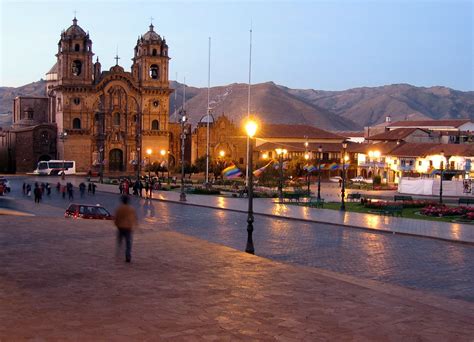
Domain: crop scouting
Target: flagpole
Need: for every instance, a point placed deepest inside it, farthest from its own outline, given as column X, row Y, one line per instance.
column 248, row 105
column 208, row 110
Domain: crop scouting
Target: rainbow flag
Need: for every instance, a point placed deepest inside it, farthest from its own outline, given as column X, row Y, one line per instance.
column 258, row 172
column 432, row 171
column 309, row 168
column 333, row 166
column 232, row 171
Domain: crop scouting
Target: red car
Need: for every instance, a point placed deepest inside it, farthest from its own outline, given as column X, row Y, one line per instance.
column 87, row 211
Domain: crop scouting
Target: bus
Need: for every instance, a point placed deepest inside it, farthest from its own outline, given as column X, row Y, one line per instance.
column 55, row 167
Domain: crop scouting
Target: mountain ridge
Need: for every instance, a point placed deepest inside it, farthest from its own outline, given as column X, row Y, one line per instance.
column 350, row 109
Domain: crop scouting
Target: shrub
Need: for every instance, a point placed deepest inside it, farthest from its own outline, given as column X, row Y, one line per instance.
column 442, row 210
column 377, row 180
column 204, row 191
column 406, row 204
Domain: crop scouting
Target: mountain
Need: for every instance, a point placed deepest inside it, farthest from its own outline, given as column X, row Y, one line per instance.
column 7, row 94
column 270, row 103
column 349, row 109
column 401, row 101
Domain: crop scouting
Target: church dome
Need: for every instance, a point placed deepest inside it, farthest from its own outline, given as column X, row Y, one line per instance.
column 75, row 31
column 151, row 34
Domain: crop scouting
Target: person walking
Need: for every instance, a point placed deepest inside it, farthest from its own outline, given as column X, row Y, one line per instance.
column 37, row 192
column 89, row 188
column 48, row 189
column 63, row 191
column 125, row 221
column 93, row 188
column 82, row 189
column 28, row 190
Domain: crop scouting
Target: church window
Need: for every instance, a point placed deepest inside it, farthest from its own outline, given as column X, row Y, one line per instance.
column 76, row 123
column 135, row 118
column 29, row 113
column 156, row 103
column 44, row 138
column 154, row 71
column 77, row 100
column 117, row 119
column 96, row 117
column 77, row 47
column 154, row 52
column 155, row 125
column 76, row 67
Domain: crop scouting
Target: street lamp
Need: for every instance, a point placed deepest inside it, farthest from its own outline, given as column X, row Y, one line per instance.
column 182, row 195
column 442, row 174
column 101, row 166
column 63, row 137
column 343, row 187
column 251, row 128
column 163, row 153
column 308, row 174
column 149, row 152
column 320, row 151
column 280, row 152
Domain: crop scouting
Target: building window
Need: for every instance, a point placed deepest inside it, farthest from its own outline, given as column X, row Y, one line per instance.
column 76, row 123
column 155, row 125
column 77, row 100
column 411, row 162
column 431, row 163
column 29, row 113
column 241, row 160
column 117, row 119
column 154, row 71
column 154, row 52
column 76, row 67
column 419, row 162
column 135, row 117
column 156, row 103
column 77, row 47
column 395, row 162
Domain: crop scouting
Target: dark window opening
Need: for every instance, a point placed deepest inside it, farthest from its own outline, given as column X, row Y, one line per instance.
column 117, row 119
column 156, row 103
column 154, row 71
column 135, row 118
column 76, row 123
column 241, row 160
column 77, row 100
column 155, row 125
column 77, row 47
column 29, row 113
column 154, row 52
column 76, row 68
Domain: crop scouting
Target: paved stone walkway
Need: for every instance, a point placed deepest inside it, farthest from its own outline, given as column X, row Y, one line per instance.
column 62, row 282
column 441, row 230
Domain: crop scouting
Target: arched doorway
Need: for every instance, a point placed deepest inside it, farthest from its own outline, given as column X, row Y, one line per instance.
column 116, row 160
column 44, row 157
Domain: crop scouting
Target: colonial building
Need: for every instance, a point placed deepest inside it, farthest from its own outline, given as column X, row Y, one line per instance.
column 100, row 119
column 110, row 117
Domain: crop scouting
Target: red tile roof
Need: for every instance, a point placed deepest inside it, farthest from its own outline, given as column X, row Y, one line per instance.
column 429, row 123
column 424, row 149
column 396, row 134
column 295, row 131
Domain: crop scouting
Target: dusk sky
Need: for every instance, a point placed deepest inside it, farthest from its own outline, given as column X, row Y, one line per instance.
column 328, row 45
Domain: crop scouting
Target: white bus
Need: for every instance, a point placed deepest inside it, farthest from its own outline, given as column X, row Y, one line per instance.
column 55, row 167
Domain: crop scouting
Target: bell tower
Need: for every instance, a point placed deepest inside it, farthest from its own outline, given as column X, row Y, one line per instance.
column 150, row 61
column 75, row 56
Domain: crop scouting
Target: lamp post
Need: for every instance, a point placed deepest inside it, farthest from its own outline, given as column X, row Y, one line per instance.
column 101, row 166
column 251, row 129
column 182, row 195
column 343, row 187
column 280, row 152
column 442, row 174
column 320, row 151
column 149, row 152
column 63, row 137
column 139, row 163
column 163, row 153
column 308, row 174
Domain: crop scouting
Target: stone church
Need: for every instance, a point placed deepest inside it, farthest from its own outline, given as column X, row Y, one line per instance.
column 113, row 118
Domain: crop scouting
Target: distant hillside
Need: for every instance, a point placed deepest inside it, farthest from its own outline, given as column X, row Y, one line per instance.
column 401, row 101
column 7, row 94
column 350, row 109
column 270, row 102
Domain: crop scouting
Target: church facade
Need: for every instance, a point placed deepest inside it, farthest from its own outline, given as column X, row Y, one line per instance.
column 109, row 120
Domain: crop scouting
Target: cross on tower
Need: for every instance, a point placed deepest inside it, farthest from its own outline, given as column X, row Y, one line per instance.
column 75, row 12
column 116, row 59
column 151, row 20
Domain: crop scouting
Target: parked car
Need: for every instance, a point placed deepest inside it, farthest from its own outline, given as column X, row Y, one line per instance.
column 335, row 179
column 87, row 211
column 360, row 179
column 5, row 184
